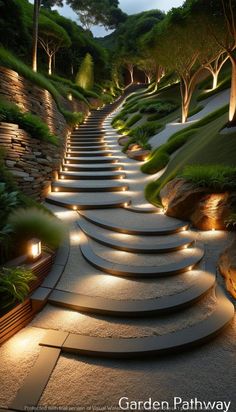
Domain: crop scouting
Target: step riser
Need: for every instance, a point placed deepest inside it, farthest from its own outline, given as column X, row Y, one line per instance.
column 87, row 148
column 92, row 177
column 88, row 190
column 135, row 249
column 84, row 154
column 85, row 207
column 94, row 169
column 89, row 161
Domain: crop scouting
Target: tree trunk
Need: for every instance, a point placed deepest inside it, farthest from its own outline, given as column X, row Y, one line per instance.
column 215, row 79
column 35, row 34
column 131, row 72
column 49, row 64
column 232, row 104
column 186, row 94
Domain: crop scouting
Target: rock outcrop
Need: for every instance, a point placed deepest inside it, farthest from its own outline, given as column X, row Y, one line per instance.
column 204, row 208
column 227, row 266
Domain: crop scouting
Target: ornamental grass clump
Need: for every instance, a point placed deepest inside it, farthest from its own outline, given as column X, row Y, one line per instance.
column 14, row 285
column 215, row 177
column 33, row 222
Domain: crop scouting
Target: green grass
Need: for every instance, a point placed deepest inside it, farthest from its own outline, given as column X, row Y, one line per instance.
column 207, row 147
column 11, row 113
column 216, row 177
column 223, row 85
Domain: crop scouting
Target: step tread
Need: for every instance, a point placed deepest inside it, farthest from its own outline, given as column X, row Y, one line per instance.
column 152, row 345
column 90, row 184
column 88, row 200
column 109, row 260
column 126, row 221
column 135, row 243
column 141, row 307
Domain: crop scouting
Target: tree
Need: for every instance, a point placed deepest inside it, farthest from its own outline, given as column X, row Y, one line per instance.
column 52, row 37
column 35, row 34
column 85, row 75
column 216, row 66
column 48, row 4
column 104, row 12
column 183, row 44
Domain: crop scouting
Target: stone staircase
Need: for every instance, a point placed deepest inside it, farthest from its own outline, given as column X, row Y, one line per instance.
column 116, row 240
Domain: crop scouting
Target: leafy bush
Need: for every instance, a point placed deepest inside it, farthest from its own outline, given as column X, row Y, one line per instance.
column 73, row 118
column 217, row 177
column 162, row 108
column 31, row 123
column 150, row 128
column 28, row 223
column 14, row 285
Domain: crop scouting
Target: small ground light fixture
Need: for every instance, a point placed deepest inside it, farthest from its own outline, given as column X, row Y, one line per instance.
column 34, row 249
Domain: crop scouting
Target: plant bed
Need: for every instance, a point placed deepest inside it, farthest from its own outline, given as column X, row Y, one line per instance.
column 16, row 317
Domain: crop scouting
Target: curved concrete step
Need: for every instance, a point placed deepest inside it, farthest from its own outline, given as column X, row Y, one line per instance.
column 91, row 159
column 152, row 345
column 108, row 261
column 136, row 243
column 90, row 149
column 92, row 175
column 88, row 186
column 100, row 167
column 126, row 221
column 84, row 201
column 204, row 282
column 86, row 144
column 78, row 153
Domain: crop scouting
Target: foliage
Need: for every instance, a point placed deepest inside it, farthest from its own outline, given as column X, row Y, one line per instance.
column 132, row 120
column 85, row 75
column 28, row 223
column 216, row 177
column 230, row 221
column 162, row 108
column 160, row 157
column 150, row 128
column 32, row 124
column 14, row 285
column 105, row 12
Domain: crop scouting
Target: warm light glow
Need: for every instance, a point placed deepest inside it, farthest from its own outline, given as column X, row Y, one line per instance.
column 56, row 189
column 126, row 204
column 213, row 229
column 34, row 249
column 62, row 177
column 67, row 162
column 69, row 96
column 75, row 207
column 66, row 169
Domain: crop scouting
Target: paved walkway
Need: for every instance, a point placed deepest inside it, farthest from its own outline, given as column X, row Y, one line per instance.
column 135, row 283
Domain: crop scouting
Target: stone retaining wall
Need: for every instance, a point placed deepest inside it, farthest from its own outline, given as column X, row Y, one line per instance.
column 33, row 162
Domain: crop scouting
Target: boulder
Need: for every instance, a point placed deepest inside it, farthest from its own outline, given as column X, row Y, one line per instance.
column 205, row 209
column 123, row 140
column 138, row 154
column 134, row 146
column 227, row 266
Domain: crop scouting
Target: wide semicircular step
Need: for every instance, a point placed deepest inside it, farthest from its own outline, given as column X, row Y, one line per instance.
column 116, row 348
column 126, row 221
column 88, row 186
column 136, row 243
column 121, row 263
column 82, row 201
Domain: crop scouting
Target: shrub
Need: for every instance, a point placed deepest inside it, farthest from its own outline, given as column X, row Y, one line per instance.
column 134, row 119
column 85, row 75
column 156, row 163
column 231, row 221
column 161, row 108
column 150, row 128
column 73, row 118
column 216, row 177
column 28, row 223
column 160, row 156
column 31, row 123
column 14, row 285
